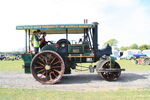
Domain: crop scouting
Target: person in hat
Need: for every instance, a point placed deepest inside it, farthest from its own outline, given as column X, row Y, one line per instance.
column 39, row 32
column 35, row 41
column 43, row 41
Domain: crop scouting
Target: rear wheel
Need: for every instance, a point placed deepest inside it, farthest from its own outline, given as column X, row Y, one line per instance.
column 108, row 75
column 47, row 67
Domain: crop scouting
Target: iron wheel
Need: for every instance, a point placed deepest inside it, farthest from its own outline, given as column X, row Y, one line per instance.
column 47, row 67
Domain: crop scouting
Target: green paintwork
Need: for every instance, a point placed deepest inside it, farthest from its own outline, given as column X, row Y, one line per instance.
column 49, row 47
column 112, row 61
column 76, row 49
column 27, row 58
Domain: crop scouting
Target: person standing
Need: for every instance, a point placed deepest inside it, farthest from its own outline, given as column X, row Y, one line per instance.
column 35, row 42
column 43, row 41
column 39, row 32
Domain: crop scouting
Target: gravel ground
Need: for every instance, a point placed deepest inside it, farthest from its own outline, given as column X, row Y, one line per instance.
column 77, row 81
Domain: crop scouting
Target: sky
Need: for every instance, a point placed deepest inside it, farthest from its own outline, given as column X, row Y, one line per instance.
column 128, row 21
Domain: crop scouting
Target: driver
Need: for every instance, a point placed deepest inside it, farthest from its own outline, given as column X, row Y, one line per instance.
column 43, row 41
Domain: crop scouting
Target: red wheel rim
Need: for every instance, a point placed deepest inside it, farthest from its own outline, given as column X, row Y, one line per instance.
column 47, row 67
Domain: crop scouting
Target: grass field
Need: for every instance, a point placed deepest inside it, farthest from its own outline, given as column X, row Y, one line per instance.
column 129, row 65
column 11, row 66
column 34, row 94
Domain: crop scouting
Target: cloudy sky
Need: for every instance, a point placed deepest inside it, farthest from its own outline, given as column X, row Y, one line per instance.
column 128, row 21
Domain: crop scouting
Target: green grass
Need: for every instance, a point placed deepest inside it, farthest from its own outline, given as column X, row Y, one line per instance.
column 129, row 65
column 37, row 94
column 11, row 66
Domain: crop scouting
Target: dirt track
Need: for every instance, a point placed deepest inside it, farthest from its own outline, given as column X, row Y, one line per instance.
column 77, row 81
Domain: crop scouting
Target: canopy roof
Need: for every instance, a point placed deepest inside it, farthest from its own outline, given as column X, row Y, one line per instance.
column 57, row 28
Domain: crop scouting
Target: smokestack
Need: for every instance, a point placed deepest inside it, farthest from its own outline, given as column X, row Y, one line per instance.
column 85, row 21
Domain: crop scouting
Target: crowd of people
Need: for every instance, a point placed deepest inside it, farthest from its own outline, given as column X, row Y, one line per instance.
column 38, row 40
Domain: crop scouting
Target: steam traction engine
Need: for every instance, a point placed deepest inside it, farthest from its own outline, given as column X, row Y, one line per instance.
column 56, row 59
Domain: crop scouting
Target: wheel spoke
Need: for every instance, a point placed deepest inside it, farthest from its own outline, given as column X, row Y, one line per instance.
column 49, row 56
column 56, row 71
column 47, row 76
column 38, row 67
column 57, row 62
column 40, row 70
column 56, row 67
column 50, row 75
column 42, row 74
column 40, row 63
column 53, row 60
column 54, row 74
column 41, row 60
column 44, row 59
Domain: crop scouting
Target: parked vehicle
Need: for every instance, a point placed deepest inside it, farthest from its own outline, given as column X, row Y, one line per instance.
column 117, row 54
column 143, row 58
column 146, row 52
column 129, row 54
column 2, row 57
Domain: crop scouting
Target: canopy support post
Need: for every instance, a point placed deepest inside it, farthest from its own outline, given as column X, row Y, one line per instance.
column 67, row 38
column 67, row 34
column 26, row 41
column 29, row 40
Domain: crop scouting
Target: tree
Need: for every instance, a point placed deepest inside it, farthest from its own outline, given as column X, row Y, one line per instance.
column 124, row 48
column 134, row 46
column 144, row 47
column 111, row 42
column 148, row 46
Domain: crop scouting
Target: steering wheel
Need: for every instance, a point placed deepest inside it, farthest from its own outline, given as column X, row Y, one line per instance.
column 63, row 42
column 49, row 42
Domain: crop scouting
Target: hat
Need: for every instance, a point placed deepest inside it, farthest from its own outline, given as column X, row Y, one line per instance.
column 38, row 30
column 34, row 31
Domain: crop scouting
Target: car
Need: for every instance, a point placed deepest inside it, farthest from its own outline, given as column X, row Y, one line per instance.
column 129, row 54
column 2, row 57
column 146, row 52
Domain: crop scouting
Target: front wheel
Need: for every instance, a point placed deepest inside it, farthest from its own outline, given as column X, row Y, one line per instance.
column 107, row 73
column 47, row 67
